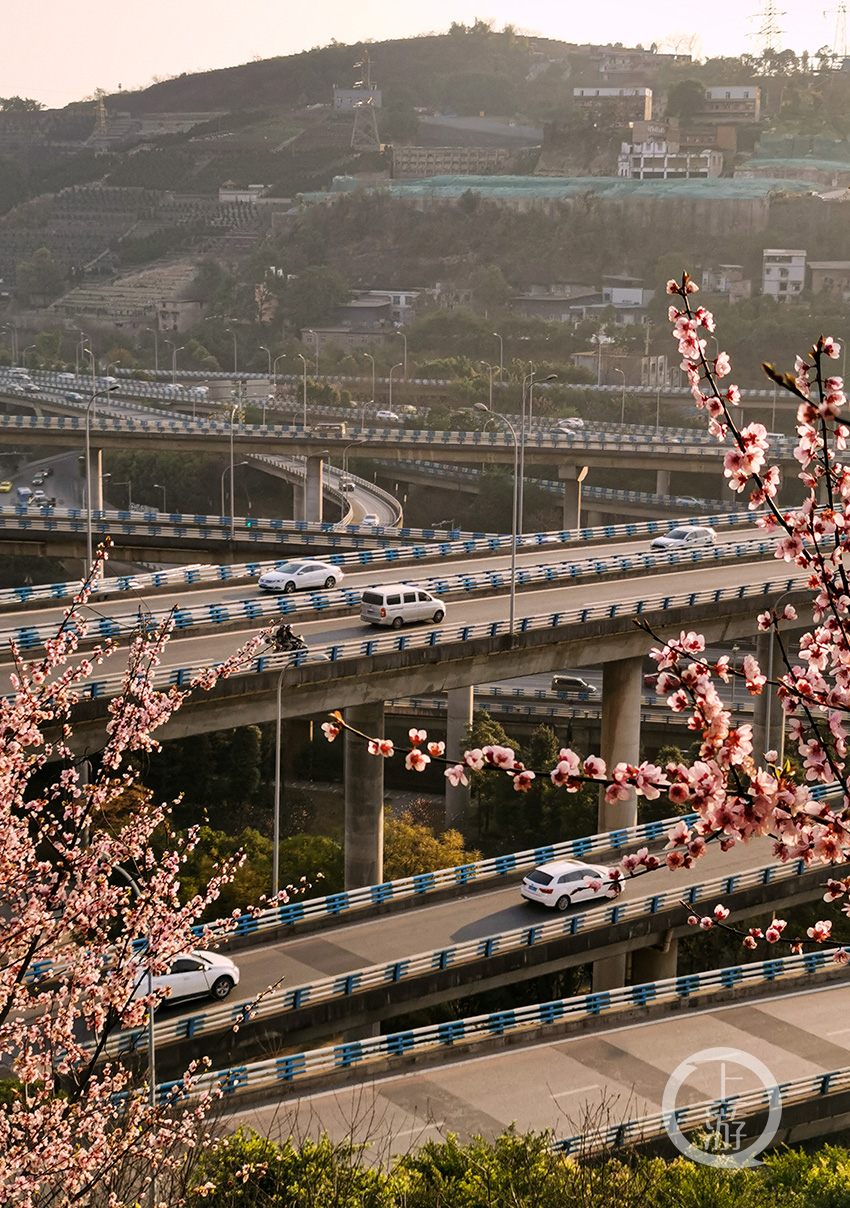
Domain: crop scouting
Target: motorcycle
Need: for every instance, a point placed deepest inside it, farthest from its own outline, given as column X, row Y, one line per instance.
column 286, row 643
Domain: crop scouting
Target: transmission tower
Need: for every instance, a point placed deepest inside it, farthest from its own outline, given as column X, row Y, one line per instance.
column 100, row 110
column 364, row 136
column 839, row 41
column 768, row 33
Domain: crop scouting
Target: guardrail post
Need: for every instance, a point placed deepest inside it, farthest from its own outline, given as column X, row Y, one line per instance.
column 364, row 799
column 459, row 707
column 572, row 477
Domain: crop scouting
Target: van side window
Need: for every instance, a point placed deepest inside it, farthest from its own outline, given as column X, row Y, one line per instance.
column 410, row 597
column 393, row 599
column 423, row 597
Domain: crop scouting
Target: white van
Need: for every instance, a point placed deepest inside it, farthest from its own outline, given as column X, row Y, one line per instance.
column 400, row 603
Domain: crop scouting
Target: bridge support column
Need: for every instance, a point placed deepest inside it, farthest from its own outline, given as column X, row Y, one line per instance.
column 591, row 519
column 657, row 962
column 621, row 693
column 459, row 702
column 768, row 718
column 572, row 477
column 97, row 479
column 313, row 489
column 662, row 482
column 364, row 799
column 298, row 509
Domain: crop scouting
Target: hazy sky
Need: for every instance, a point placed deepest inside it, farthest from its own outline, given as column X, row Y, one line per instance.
column 57, row 52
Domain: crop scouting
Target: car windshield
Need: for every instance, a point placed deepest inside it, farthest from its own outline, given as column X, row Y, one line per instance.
column 679, row 534
column 539, row 877
column 288, row 568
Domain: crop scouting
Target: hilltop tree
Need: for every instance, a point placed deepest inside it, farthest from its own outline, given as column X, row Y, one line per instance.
column 685, row 99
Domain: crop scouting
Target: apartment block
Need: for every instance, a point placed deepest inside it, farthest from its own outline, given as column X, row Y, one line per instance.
column 783, row 273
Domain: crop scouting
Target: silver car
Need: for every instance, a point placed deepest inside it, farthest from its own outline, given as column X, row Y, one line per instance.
column 306, row 575
column 687, row 536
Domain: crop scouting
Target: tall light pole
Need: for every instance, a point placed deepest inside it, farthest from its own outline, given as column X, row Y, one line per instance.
column 303, row 361
column 233, row 333
column 315, row 336
column 623, row 399
column 527, row 389
column 501, row 354
column 398, row 366
column 155, row 335
column 404, row 337
column 174, row 363
column 231, row 468
column 159, row 487
column 514, row 512
column 490, row 367
column 269, row 355
column 28, row 348
column 91, row 403
column 372, row 359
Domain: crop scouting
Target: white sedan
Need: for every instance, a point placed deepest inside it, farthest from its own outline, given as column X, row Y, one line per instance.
column 194, row 974
column 687, row 536
column 298, row 576
column 562, row 882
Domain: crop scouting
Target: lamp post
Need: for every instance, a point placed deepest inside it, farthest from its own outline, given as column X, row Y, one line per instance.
column 233, row 333
column 28, row 348
column 269, row 355
column 501, row 354
column 490, row 367
column 174, row 363
column 623, row 401
column 527, row 389
column 397, row 366
column 514, row 512
column 128, row 484
column 155, row 335
column 159, row 487
column 134, row 888
column 315, row 336
column 303, row 361
column 91, row 403
column 404, row 337
column 372, row 359
column 361, row 441
column 231, row 468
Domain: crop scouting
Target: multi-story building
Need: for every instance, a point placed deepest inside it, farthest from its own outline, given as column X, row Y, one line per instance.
column 830, row 277
column 729, row 103
column 448, row 161
column 635, row 104
column 659, row 159
column 783, row 273
column 728, row 280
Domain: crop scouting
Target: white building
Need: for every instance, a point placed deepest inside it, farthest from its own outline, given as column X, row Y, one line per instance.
column 783, row 273
column 731, row 104
column 658, row 159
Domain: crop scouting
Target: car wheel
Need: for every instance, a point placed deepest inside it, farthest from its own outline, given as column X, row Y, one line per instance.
column 615, row 890
column 397, row 622
column 288, row 588
column 438, row 616
column 563, row 903
column 330, row 582
column 221, row 987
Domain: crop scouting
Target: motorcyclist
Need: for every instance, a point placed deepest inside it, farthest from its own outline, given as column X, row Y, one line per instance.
column 285, row 639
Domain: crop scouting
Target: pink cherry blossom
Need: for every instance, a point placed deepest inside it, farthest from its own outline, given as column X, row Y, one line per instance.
column 416, row 760
column 329, row 730
column 456, row 774
column 417, row 736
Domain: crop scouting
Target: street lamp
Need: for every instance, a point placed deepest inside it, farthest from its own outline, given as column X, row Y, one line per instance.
column 231, row 468
column 398, row 366
column 28, row 348
column 159, row 487
column 501, row 353
column 514, row 513
column 89, row 406
column 269, row 355
column 174, row 363
column 372, row 359
column 233, row 333
column 404, row 337
column 128, row 484
column 527, row 381
column 303, row 361
column 155, row 335
column 490, row 367
column 623, row 402
column 315, row 336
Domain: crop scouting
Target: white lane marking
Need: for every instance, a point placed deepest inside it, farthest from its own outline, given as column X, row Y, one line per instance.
column 576, row 1090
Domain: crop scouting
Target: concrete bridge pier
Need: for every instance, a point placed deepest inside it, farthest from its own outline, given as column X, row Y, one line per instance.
column 459, row 708
column 572, row 477
column 768, row 717
column 364, row 799
column 657, row 962
column 313, row 489
column 298, row 509
column 621, row 696
column 662, row 482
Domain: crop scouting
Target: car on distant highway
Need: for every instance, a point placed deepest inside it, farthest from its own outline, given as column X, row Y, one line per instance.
column 371, row 519
column 397, row 604
column 347, row 486
column 38, row 478
column 38, row 497
column 73, row 397
column 386, row 415
column 5, row 487
column 573, row 683
column 194, row 974
column 561, row 883
column 301, row 576
column 571, row 421
column 686, row 536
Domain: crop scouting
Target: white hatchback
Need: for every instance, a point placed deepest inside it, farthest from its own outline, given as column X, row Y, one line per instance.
column 562, row 882
column 687, row 536
column 298, row 576
column 194, row 974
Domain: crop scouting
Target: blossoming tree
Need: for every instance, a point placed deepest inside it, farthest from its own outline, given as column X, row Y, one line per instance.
column 86, row 911
column 739, row 793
